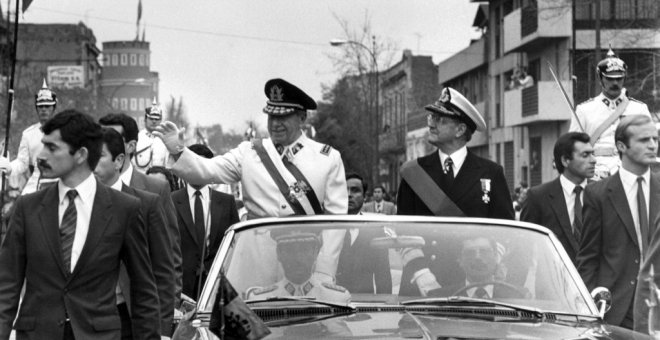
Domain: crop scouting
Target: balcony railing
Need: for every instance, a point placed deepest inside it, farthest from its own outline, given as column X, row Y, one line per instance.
column 536, row 104
column 531, row 26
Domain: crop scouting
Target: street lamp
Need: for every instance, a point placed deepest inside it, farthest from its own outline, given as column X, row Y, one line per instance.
column 375, row 157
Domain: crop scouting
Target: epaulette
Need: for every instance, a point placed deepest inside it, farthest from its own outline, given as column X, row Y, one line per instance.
column 260, row 290
column 334, row 287
column 32, row 127
column 326, row 149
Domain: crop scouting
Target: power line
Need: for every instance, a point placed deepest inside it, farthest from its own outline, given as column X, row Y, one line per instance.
column 216, row 34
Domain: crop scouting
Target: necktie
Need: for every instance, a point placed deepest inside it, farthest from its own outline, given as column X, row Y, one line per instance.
column 481, row 293
column 68, row 229
column 449, row 170
column 378, row 208
column 643, row 215
column 577, row 213
column 199, row 218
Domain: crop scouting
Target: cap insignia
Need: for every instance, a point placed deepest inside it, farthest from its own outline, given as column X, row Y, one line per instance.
column 445, row 97
column 276, row 94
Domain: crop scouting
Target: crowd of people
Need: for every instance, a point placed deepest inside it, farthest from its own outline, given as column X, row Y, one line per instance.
column 114, row 226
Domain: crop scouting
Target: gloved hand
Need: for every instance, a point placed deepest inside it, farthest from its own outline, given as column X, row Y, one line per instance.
column 425, row 281
column 5, row 165
column 171, row 136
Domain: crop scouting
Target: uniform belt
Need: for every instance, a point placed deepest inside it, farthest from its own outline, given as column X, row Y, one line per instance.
column 605, row 151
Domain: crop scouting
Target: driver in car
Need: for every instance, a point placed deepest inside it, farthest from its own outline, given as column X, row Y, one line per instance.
column 297, row 252
column 481, row 261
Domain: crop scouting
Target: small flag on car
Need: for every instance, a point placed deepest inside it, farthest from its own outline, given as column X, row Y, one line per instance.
column 231, row 318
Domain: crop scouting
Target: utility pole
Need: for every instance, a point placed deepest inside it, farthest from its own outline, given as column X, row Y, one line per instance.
column 597, row 31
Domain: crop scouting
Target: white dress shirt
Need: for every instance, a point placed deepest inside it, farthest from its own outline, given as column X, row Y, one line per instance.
column 458, row 158
column 569, row 196
column 127, row 175
column 472, row 291
column 629, row 181
column 84, row 203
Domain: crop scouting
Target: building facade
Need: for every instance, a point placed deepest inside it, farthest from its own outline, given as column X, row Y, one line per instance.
column 128, row 85
column 507, row 73
column 405, row 88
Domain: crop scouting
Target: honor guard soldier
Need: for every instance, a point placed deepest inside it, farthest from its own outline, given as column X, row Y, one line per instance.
column 286, row 174
column 599, row 116
column 451, row 181
column 150, row 150
column 30, row 145
column 297, row 252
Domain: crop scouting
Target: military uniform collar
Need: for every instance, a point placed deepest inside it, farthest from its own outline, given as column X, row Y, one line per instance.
column 612, row 103
column 292, row 288
column 293, row 148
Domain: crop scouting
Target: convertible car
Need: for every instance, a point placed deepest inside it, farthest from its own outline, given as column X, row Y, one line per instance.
column 395, row 277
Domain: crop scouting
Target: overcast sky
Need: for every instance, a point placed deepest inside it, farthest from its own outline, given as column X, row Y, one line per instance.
column 218, row 55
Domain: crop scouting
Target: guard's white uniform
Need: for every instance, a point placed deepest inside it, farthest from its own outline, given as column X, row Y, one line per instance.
column 321, row 165
column 321, row 290
column 149, row 151
column 594, row 112
column 28, row 150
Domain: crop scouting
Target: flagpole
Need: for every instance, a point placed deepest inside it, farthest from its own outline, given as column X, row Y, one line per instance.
column 10, row 96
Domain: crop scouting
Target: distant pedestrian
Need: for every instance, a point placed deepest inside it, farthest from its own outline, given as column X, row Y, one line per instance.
column 149, row 150
column 379, row 205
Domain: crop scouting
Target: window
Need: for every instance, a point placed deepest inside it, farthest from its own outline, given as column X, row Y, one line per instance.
column 134, row 104
column 141, row 59
column 141, row 104
column 133, row 59
column 114, row 60
column 123, row 60
column 124, row 104
column 115, row 103
column 146, row 60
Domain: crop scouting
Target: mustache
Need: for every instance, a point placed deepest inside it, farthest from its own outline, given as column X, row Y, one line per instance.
column 41, row 163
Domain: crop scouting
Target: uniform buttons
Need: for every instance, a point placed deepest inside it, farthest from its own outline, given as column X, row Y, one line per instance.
column 433, row 257
column 636, row 261
column 434, row 243
column 632, row 282
column 283, row 206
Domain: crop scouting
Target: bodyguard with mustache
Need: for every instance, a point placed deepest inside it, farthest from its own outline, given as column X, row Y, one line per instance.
column 599, row 116
column 557, row 204
column 616, row 216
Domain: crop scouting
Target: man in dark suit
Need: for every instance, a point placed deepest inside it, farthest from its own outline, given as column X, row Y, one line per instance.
column 557, row 204
column 108, row 171
column 616, row 216
column 128, row 129
column 362, row 269
column 66, row 243
column 201, row 234
column 472, row 186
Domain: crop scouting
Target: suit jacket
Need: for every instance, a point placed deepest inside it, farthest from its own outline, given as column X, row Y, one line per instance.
column 32, row 252
column 360, row 265
column 223, row 214
column 160, row 253
column 499, row 292
column 465, row 191
column 162, row 189
column 388, row 207
column 545, row 205
column 609, row 252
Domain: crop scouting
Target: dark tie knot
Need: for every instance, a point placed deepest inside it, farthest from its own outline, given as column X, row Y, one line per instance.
column 449, row 164
column 71, row 195
column 578, row 189
column 198, row 193
column 640, row 180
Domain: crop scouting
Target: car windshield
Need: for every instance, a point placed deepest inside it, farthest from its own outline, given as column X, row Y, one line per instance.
column 386, row 262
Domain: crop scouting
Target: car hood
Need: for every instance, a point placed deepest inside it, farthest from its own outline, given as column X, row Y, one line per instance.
column 407, row 325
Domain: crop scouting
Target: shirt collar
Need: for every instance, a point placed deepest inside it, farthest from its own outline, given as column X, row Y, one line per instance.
column 86, row 189
column 458, row 157
column 569, row 186
column 118, row 184
column 203, row 190
column 628, row 179
column 127, row 175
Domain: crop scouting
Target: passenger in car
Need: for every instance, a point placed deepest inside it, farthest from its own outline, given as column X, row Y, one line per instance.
column 481, row 262
column 297, row 252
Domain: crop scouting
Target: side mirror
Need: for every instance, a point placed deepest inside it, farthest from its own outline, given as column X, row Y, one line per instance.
column 603, row 299
column 394, row 241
